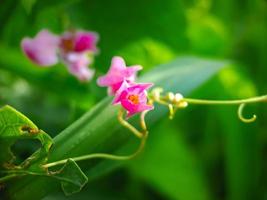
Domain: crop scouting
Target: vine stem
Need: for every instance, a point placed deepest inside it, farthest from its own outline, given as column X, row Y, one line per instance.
column 127, row 125
column 101, row 155
column 8, row 177
column 226, row 102
column 176, row 101
column 17, row 173
column 241, row 103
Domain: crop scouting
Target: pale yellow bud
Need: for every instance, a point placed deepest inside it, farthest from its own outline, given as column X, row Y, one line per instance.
column 170, row 96
column 183, row 104
column 178, row 97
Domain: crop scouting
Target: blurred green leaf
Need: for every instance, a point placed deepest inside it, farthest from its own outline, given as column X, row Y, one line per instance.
column 205, row 27
column 99, row 131
column 170, row 166
column 147, row 52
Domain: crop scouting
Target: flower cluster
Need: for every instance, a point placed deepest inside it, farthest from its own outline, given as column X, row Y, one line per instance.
column 120, row 81
column 74, row 48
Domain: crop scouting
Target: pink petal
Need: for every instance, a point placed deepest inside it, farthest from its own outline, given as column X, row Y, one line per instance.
column 118, row 72
column 83, row 73
column 130, row 71
column 121, row 93
column 42, row 49
column 134, row 109
column 78, row 66
column 109, row 80
column 117, row 63
column 85, row 41
column 131, row 108
column 140, row 87
column 140, row 108
column 115, row 73
column 114, row 88
column 144, row 107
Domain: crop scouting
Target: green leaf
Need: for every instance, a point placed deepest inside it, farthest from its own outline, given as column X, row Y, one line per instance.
column 72, row 178
column 170, row 166
column 15, row 126
column 99, row 131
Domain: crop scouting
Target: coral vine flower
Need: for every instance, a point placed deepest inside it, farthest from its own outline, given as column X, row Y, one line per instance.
column 74, row 48
column 79, row 41
column 85, row 41
column 118, row 73
column 42, row 50
column 133, row 98
column 77, row 65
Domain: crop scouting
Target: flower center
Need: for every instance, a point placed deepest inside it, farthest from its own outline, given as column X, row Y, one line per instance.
column 133, row 98
column 67, row 44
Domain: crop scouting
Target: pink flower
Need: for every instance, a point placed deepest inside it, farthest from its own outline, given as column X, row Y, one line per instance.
column 118, row 73
column 79, row 41
column 77, row 65
column 75, row 49
column 133, row 98
column 42, row 49
column 85, row 41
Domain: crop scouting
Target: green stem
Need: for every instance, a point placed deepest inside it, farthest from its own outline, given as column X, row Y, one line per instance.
column 101, row 155
column 21, row 172
column 17, row 173
column 128, row 125
column 8, row 177
column 177, row 100
column 226, row 102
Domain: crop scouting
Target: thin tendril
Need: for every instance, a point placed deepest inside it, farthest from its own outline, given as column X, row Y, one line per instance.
column 128, row 125
column 227, row 102
column 241, row 116
column 143, row 122
column 101, row 155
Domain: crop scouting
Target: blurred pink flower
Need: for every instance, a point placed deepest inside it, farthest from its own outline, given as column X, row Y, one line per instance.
column 118, row 73
column 74, row 48
column 85, row 41
column 79, row 41
column 42, row 49
column 77, row 65
column 133, row 98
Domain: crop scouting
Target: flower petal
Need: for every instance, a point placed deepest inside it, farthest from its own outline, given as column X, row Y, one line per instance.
column 117, row 63
column 42, row 49
column 115, row 74
column 121, row 93
column 85, row 41
column 78, row 66
column 140, row 108
column 140, row 87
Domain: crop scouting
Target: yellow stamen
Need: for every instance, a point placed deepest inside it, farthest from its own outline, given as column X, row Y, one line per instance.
column 134, row 99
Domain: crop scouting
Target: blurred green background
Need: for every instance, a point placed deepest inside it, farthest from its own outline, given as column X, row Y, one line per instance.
column 205, row 153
